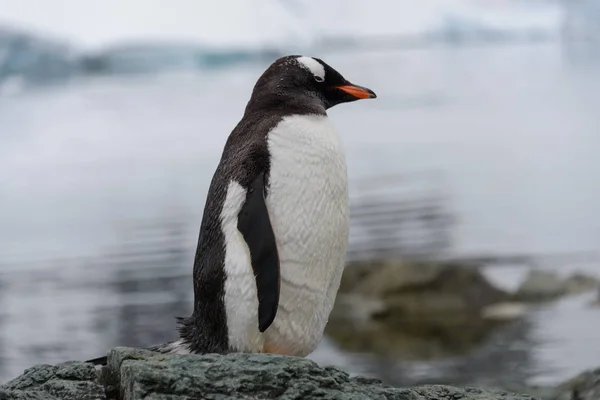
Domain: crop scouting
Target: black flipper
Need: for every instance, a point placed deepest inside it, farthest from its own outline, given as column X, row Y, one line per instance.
column 255, row 226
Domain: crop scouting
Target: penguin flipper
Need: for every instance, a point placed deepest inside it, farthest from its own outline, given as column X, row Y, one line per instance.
column 255, row 226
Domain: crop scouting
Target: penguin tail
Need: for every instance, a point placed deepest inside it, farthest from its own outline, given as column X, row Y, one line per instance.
column 172, row 347
column 98, row 361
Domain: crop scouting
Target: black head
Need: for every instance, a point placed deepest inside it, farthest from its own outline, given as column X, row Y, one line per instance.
column 306, row 79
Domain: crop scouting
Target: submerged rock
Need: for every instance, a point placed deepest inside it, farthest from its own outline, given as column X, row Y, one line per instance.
column 541, row 285
column 440, row 287
column 504, row 311
column 413, row 342
column 355, row 309
column 596, row 302
column 579, row 283
column 133, row 374
column 417, row 310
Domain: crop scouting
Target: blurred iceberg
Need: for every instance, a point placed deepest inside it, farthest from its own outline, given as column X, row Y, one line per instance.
column 29, row 61
column 141, row 58
column 190, row 35
column 116, row 37
column 26, row 58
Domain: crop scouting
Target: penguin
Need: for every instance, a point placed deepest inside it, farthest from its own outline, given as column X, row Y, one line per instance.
column 274, row 232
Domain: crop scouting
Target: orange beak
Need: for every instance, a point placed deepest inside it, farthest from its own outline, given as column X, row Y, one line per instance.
column 358, row 91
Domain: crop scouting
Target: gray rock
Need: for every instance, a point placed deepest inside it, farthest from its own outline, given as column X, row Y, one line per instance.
column 65, row 381
column 540, row 286
column 421, row 287
column 540, row 392
column 504, row 311
column 579, row 283
column 379, row 279
column 355, row 309
column 133, row 374
column 146, row 375
column 585, row 386
column 548, row 285
column 417, row 309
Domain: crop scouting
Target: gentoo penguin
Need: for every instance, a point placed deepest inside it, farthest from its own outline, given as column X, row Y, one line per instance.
column 274, row 232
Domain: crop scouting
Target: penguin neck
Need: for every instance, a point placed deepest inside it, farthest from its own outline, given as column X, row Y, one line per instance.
column 290, row 102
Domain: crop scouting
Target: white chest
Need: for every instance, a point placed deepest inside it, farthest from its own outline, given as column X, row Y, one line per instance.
column 308, row 200
column 308, row 208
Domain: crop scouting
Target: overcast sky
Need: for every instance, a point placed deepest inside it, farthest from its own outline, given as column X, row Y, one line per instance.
column 93, row 23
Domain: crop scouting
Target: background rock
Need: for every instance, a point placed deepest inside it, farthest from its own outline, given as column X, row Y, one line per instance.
column 585, row 386
column 355, row 309
column 504, row 311
column 579, row 283
column 542, row 285
column 596, row 302
column 416, row 309
column 431, row 342
column 419, row 288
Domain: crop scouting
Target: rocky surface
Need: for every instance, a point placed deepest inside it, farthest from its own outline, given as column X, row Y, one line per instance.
column 133, row 374
column 66, row 381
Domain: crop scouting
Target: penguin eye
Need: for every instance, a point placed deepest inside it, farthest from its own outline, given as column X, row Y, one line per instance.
column 319, row 79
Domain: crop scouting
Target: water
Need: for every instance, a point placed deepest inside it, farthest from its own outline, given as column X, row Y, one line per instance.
column 513, row 130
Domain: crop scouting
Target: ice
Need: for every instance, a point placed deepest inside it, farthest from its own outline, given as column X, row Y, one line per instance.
column 24, row 57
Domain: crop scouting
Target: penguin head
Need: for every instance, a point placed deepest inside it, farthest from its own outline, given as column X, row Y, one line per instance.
column 311, row 78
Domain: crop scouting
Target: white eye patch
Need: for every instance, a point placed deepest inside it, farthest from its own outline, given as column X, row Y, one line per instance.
column 315, row 67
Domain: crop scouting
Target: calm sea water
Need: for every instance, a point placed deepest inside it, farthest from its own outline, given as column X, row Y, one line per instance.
column 513, row 131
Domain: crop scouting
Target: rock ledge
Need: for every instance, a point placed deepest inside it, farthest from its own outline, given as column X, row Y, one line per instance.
column 133, row 374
